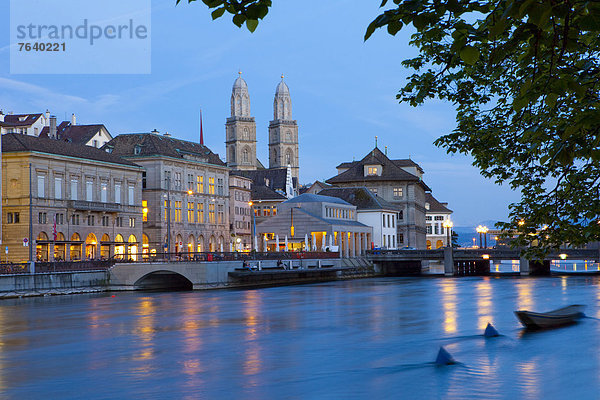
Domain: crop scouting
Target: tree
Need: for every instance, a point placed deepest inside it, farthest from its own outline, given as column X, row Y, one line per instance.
column 454, row 240
column 524, row 77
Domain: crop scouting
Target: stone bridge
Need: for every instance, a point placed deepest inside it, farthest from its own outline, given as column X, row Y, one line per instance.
column 475, row 260
column 193, row 274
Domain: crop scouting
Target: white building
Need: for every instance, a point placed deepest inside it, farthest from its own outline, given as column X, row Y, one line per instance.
column 372, row 211
column 436, row 214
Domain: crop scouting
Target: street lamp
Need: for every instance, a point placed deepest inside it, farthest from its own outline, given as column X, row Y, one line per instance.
column 479, row 230
column 448, row 224
column 482, row 230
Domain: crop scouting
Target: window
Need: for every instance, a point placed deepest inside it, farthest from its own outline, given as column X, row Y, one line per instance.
column 131, row 222
column 436, row 229
column 95, row 143
column 400, row 238
column 428, row 218
column 12, row 218
column 371, row 170
column 58, row 188
column 41, row 180
column 75, row 219
column 118, row 193
column 105, row 220
column 397, row 192
column 136, row 150
column 190, row 180
column 384, row 220
column 211, row 213
column 144, row 180
column 90, row 220
column 144, row 210
column 438, row 218
column 168, row 180
column 374, row 191
column 288, row 158
column 200, row 213
column 429, row 229
column 42, row 218
column 200, row 184
column 119, row 221
column 178, row 211
column 220, row 186
column 131, row 196
column 177, row 180
column 190, row 213
column 220, row 214
column 401, row 215
column 393, row 222
column 388, row 220
column 211, row 185
column 89, row 191
column 74, row 189
column 166, row 210
column 245, row 156
column 104, row 192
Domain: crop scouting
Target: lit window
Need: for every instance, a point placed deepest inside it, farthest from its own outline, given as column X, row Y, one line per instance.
column 145, row 210
column 397, row 192
column 372, row 171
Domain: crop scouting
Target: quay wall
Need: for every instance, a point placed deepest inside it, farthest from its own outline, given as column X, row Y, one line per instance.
column 22, row 285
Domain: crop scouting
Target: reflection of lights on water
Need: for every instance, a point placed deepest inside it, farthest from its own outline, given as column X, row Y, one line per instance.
column 524, row 298
column 563, row 284
column 529, row 378
column 145, row 331
column 484, row 303
column 449, row 304
column 252, row 306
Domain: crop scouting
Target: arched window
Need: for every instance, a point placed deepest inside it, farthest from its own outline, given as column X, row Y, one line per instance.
column 288, row 136
column 246, row 134
column 245, row 156
column 288, row 157
column 238, row 105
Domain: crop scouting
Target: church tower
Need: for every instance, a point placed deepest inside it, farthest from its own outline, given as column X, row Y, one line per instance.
column 240, row 129
column 283, row 132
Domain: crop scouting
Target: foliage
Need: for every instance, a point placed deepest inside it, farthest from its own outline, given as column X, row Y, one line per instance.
column 244, row 11
column 454, row 240
column 523, row 76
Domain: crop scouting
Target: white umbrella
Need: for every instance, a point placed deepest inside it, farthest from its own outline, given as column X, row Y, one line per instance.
column 277, row 243
column 265, row 244
column 323, row 241
column 306, row 242
column 331, row 240
column 314, row 242
column 286, row 243
column 221, row 247
column 256, row 243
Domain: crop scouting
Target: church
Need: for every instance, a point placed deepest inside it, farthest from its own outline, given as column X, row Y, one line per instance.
column 240, row 129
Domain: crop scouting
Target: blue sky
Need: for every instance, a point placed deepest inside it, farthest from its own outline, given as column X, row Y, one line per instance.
column 343, row 92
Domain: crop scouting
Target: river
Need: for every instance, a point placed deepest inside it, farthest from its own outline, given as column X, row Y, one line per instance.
column 363, row 339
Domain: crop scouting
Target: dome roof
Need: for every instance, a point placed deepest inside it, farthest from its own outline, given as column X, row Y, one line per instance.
column 282, row 88
column 240, row 83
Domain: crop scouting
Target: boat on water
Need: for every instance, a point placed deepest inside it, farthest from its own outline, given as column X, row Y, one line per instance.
column 551, row 319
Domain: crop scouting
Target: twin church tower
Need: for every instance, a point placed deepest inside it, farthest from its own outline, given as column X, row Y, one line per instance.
column 241, row 131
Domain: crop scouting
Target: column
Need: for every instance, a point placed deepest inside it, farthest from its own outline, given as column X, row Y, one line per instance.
column 448, row 261
column 353, row 244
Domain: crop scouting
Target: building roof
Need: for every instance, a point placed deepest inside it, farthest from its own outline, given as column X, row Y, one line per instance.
column 282, row 88
column 14, row 143
column 20, row 119
column 316, row 187
column 81, row 134
column 390, row 171
column 316, row 198
column 274, row 178
column 262, row 192
column 435, row 205
column 404, row 162
column 240, row 83
column 361, row 197
column 150, row 144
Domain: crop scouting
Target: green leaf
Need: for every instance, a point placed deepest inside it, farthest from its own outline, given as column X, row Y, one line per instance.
column 251, row 24
column 469, row 55
column 551, row 100
column 218, row 13
column 370, row 29
column 238, row 20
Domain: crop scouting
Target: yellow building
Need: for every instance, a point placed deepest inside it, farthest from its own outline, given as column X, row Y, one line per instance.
column 83, row 203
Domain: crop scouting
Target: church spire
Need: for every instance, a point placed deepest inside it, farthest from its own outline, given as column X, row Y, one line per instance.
column 240, row 98
column 282, row 105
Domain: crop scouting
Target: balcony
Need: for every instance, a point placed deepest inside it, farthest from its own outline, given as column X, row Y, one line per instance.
column 81, row 205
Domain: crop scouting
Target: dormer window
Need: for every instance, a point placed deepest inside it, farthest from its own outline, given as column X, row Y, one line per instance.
column 427, row 206
column 372, row 171
column 137, row 149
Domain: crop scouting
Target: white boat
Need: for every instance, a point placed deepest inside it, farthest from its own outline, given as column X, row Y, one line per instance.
column 561, row 316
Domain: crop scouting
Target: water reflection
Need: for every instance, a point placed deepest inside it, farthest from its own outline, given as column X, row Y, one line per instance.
column 253, row 362
column 145, row 332
column 524, row 295
column 529, row 379
column 449, row 299
column 484, row 295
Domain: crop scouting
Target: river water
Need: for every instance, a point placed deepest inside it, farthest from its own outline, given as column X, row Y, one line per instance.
column 372, row 338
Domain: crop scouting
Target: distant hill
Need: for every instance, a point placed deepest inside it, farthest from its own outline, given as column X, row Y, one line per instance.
column 467, row 233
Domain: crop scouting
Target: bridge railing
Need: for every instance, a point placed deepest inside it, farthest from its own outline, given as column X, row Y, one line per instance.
column 221, row 256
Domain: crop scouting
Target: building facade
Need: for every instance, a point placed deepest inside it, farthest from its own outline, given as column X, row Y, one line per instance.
column 240, row 212
column 85, row 203
column 283, row 132
column 185, row 190
column 313, row 222
column 437, row 213
column 392, row 181
column 240, row 129
column 372, row 211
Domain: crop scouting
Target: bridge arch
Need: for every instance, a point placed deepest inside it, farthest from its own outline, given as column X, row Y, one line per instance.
column 163, row 279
